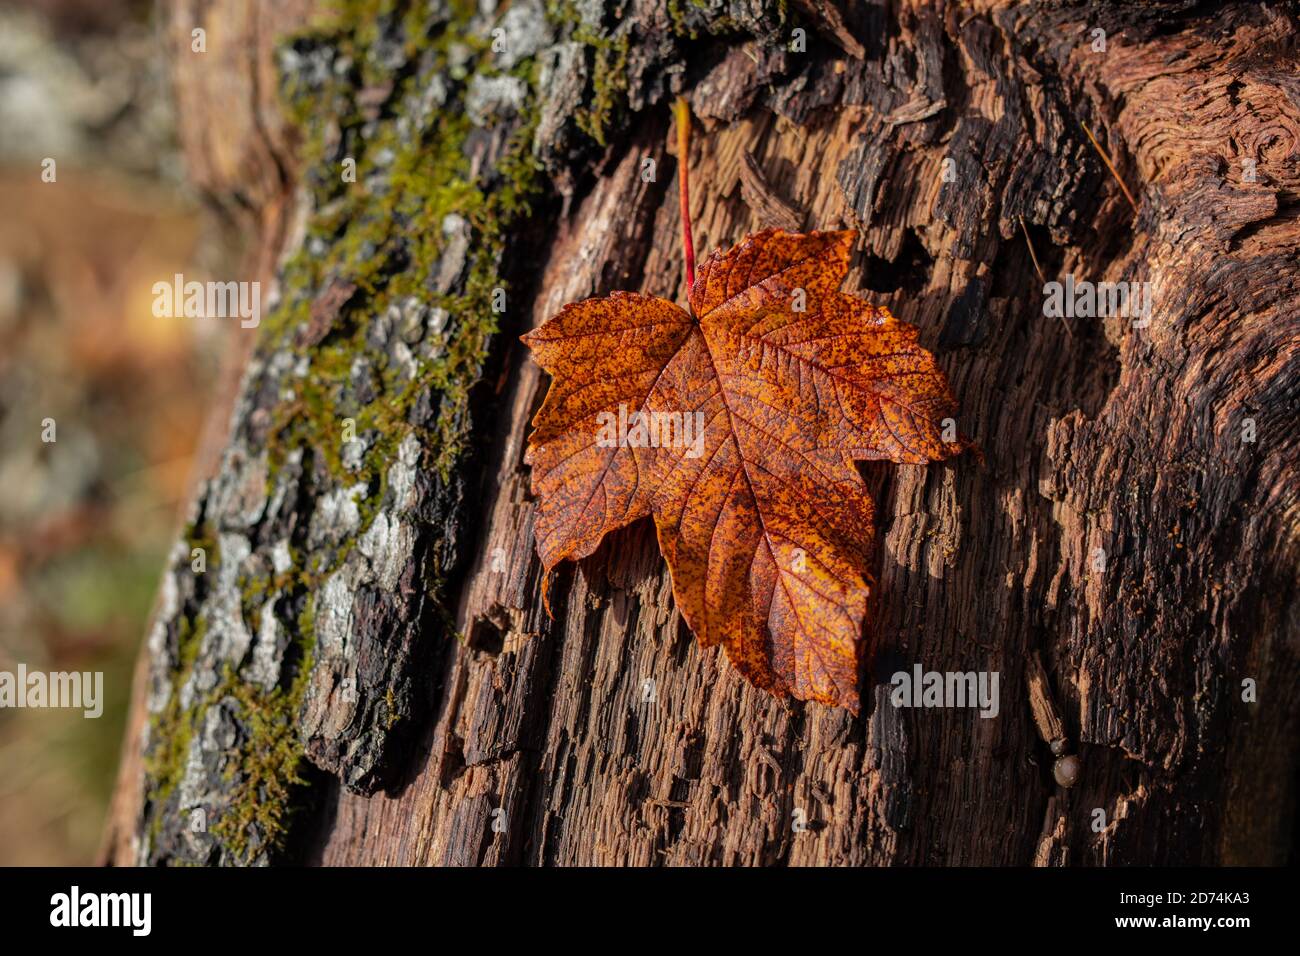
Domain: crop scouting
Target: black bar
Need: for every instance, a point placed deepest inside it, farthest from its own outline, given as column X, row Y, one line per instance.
column 396, row 908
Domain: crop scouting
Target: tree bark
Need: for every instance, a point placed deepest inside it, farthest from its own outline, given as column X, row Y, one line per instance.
column 365, row 673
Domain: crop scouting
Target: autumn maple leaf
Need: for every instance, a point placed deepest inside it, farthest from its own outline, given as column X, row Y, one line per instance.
column 736, row 424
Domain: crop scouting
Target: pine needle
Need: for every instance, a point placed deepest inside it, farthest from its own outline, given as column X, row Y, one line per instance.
column 1032, row 255
column 1111, row 166
column 1037, row 268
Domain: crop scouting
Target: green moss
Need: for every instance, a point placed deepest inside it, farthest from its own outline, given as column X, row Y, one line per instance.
column 608, row 48
column 307, row 623
column 172, row 729
column 608, row 83
column 392, row 714
column 607, row 63
column 266, row 768
column 384, row 234
column 267, row 765
column 677, row 17
column 201, row 536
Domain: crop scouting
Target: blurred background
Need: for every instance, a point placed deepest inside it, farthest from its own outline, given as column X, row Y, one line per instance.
column 85, row 522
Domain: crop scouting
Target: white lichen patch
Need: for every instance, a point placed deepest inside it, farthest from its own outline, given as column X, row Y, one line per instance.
column 286, row 487
column 281, row 558
column 160, row 677
column 524, row 31
column 334, row 612
column 241, row 497
column 492, row 98
column 336, row 517
column 226, row 639
column 388, row 544
column 401, row 476
column 268, row 650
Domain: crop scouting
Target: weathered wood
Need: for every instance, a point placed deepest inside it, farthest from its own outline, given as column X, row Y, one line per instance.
column 1042, row 705
column 1120, row 527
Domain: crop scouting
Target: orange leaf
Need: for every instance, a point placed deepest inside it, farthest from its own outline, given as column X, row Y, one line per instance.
column 736, row 426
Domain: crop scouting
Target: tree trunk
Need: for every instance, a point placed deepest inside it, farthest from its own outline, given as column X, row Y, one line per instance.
column 364, row 672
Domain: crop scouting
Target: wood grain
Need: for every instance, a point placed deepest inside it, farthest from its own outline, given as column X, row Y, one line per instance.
column 604, row 735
